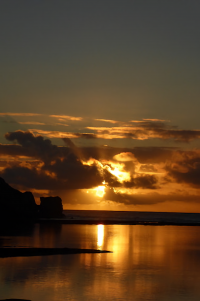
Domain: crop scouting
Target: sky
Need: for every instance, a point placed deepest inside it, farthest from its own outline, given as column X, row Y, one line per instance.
column 99, row 102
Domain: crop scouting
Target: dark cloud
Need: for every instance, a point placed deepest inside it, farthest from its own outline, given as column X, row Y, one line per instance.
column 153, row 124
column 61, row 167
column 148, row 199
column 39, row 147
column 73, row 148
column 149, row 129
column 178, row 135
column 57, row 167
column 54, row 167
column 185, row 168
column 86, row 135
column 40, row 165
column 153, row 154
column 131, row 199
column 142, row 154
column 76, row 174
column 15, row 150
column 25, row 178
column 147, row 168
column 143, row 181
column 138, row 130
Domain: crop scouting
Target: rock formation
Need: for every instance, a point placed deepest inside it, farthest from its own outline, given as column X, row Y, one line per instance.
column 15, row 204
column 51, row 207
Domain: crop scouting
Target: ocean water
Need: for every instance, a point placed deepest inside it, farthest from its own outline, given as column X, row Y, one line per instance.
column 147, row 263
column 132, row 216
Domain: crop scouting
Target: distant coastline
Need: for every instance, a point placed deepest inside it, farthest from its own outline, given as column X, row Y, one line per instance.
column 17, row 208
column 125, row 218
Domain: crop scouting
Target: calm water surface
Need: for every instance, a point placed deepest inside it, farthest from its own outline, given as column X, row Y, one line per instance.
column 147, row 263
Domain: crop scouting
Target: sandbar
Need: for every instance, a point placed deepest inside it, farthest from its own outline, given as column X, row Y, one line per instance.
column 21, row 252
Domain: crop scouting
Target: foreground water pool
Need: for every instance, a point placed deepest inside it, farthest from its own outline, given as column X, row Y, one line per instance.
column 147, row 263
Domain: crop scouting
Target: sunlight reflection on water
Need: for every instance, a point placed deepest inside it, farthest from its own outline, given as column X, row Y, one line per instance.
column 100, row 236
column 148, row 263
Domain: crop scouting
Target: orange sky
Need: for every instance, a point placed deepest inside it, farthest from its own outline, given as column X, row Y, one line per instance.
column 105, row 175
column 95, row 94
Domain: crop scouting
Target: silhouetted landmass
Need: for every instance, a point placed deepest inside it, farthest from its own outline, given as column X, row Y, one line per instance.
column 51, row 207
column 15, row 205
column 18, row 252
column 21, row 207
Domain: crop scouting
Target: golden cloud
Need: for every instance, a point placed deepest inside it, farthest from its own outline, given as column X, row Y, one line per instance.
column 66, row 117
column 19, row 114
column 31, row 122
column 107, row 120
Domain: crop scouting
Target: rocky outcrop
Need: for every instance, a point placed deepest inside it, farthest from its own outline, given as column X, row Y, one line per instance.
column 15, row 204
column 51, row 207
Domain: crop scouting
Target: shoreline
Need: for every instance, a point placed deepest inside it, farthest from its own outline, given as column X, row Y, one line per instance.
column 95, row 221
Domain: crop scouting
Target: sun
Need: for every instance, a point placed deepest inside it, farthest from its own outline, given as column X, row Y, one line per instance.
column 116, row 169
column 100, row 190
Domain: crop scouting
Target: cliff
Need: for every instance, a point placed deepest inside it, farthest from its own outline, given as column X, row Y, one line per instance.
column 51, row 207
column 15, row 205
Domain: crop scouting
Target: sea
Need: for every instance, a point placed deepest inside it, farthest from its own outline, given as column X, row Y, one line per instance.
column 147, row 261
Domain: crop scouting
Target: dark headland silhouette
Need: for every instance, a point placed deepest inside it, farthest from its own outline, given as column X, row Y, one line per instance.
column 16, row 205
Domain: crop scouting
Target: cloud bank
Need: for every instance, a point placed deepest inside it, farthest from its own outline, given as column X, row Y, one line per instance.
column 129, row 176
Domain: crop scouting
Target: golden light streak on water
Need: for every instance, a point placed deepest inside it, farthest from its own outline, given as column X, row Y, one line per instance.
column 100, row 236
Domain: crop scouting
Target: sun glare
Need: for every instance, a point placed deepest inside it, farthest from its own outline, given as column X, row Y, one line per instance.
column 100, row 190
column 117, row 171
